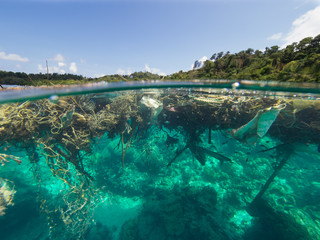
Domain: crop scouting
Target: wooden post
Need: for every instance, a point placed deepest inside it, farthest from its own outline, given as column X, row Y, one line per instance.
column 286, row 150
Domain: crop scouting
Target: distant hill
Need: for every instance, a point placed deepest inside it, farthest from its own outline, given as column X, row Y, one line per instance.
column 298, row 62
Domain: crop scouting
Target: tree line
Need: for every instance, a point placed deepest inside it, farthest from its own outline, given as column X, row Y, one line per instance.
column 299, row 62
column 136, row 76
column 21, row 78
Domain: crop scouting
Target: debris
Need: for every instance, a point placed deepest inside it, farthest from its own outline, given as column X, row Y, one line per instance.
column 258, row 126
column 152, row 105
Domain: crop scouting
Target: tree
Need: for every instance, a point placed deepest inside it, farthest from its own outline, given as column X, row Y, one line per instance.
column 288, row 53
column 220, row 54
column 272, row 50
column 257, row 53
column 249, row 51
column 315, row 44
column 213, row 57
column 304, row 44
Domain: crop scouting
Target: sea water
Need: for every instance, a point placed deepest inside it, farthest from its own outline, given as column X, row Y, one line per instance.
column 189, row 160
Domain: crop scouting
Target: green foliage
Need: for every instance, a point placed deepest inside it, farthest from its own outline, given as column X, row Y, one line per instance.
column 144, row 76
column 110, row 78
column 19, row 78
column 297, row 62
column 136, row 76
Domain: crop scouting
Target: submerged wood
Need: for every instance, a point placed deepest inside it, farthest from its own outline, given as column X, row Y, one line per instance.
column 200, row 154
column 286, row 150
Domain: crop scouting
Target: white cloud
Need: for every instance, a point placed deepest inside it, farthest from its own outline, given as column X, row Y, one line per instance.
column 40, row 68
column 58, row 64
column 121, row 71
column 154, row 70
column 13, row 57
column 59, row 58
column 147, row 68
column 99, row 75
column 52, row 69
column 73, row 67
column 307, row 25
column 275, row 37
column 61, row 64
column 203, row 59
column 56, row 69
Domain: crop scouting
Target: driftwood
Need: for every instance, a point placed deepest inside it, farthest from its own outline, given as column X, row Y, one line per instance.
column 200, row 154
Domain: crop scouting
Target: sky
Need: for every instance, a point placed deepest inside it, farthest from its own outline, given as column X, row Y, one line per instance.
column 99, row 37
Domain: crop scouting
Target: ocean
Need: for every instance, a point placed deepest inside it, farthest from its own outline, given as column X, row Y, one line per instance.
column 161, row 160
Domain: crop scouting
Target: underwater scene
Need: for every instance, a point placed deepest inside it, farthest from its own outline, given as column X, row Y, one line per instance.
column 163, row 163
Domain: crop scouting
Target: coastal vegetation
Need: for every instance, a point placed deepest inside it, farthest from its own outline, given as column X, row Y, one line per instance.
column 136, row 76
column 21, row 78
column 297, row 62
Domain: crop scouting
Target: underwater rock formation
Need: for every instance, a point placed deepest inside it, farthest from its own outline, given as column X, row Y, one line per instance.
column 195, row 209
column 272, row 224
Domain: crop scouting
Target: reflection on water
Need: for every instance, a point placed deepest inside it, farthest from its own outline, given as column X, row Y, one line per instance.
column 169, row 163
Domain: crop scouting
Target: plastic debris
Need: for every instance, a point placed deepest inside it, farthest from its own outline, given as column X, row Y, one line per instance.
column 151, row 104
column 258, row 126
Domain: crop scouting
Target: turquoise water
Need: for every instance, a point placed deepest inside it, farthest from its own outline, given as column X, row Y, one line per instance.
column 192, row 160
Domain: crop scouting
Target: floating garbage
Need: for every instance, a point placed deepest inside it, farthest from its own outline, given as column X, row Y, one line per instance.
column 258, row 126
column 152, row 105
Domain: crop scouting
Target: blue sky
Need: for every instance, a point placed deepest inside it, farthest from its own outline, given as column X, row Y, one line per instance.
column 99, row 37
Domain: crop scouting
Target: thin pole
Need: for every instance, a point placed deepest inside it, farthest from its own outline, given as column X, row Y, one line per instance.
column 122, row 150
column 47, row 70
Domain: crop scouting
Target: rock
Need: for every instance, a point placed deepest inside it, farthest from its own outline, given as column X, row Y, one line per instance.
column 199, row 63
